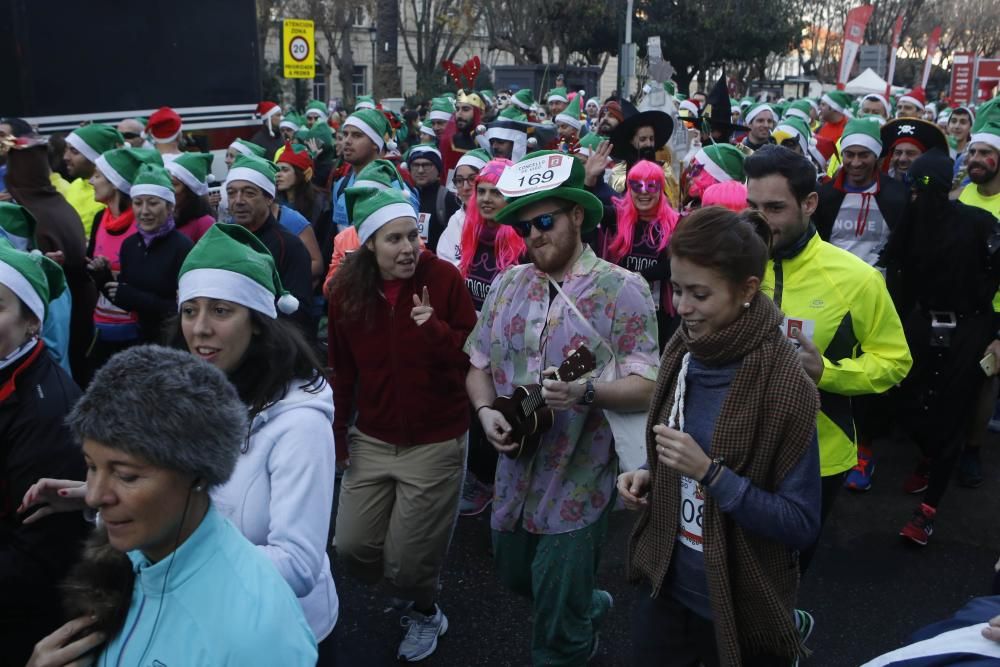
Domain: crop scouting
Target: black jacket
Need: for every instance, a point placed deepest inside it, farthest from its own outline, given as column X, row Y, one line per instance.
column 34, row 443
column 892, row 198
column 147, row 283
column 294, row 267
column 429, row 205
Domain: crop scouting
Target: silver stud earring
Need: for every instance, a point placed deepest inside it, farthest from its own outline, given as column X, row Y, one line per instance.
column 746, row 304
column 199, row 488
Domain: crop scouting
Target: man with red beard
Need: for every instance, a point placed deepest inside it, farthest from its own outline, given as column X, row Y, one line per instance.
column 459, row 136
column 551, row 507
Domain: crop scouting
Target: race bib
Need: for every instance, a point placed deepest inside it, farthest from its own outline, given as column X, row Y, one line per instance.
column 808, row 327
column 423, row 224
column 538, row 174
column 692, row 514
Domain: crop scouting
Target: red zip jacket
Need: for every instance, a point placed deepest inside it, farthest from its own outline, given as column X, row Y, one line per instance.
column 406, row 382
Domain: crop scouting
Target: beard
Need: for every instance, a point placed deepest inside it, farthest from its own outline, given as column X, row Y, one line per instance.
column 985, row 175
column 463, row 124
column 647, row 153
column 555, row 254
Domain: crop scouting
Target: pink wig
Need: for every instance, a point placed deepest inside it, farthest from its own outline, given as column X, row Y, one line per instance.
column 729, row 194
column 509, row 246
column 659, row 230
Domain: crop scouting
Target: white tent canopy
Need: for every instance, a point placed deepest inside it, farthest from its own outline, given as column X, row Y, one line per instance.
column 865, row 83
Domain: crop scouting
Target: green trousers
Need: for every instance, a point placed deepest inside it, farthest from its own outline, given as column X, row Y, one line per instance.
column 557, row 573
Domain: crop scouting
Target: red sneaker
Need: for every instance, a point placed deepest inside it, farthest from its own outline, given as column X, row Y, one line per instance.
column 921, row 525
column 918, row 480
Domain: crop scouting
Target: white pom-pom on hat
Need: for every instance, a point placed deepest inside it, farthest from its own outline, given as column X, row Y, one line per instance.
column 288, row 304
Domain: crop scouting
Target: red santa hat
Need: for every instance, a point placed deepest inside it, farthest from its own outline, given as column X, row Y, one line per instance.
column 164, row 126
column 917, row 97
column 265, row 110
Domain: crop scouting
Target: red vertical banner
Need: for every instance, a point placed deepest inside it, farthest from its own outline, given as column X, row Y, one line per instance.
column 962, row 73
column 932, row 46
column 897, row 31
column 854, row 35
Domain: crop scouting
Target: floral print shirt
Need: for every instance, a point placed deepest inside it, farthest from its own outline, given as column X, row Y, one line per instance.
column 569, row 481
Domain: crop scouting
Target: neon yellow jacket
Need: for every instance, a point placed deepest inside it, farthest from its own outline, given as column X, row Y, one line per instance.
column 842, row 304
column 80, row 195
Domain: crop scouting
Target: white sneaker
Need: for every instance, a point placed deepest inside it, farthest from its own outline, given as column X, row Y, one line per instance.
column 422, row 634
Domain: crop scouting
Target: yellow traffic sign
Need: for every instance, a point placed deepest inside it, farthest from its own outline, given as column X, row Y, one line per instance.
column 298, row 49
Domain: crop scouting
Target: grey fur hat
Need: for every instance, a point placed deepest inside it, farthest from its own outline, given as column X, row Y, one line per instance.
column 167, row 407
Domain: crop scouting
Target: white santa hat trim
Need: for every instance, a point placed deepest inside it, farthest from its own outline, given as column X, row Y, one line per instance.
column 382, row 217
column 473, row 161
column 82, row 147
column 504, row 134
column 153, row 189
column 798, row 113
column 575, row 123
column 440, row 115
column 862, row 141
column 370, row 132
column 251, row 176
column 912, row 100
column 187, row 178
column 881, row 100
column 991, row 140
column 832, row 104
column 15, row 281
column 166, row 140
column 228, row 286
column 756, row 111
column 714, row 170
column 109, row 173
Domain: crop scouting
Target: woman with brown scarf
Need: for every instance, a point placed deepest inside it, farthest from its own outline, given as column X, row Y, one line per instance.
column 732, row 490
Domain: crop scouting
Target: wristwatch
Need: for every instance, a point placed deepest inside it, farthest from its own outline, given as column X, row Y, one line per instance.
column 588, row 393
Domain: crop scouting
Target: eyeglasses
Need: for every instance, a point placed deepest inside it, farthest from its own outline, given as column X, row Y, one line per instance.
column 130, row 135
column 459, row 181
column 420, row 166
column 651, row 187
column 542, row 223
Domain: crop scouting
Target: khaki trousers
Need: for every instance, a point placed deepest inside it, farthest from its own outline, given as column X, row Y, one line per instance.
column 397, row 512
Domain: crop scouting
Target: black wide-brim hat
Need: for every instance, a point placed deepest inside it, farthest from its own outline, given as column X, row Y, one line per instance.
column 621, row 136
column 922, row 132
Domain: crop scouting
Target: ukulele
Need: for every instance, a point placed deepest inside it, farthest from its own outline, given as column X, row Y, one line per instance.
column 525, row 409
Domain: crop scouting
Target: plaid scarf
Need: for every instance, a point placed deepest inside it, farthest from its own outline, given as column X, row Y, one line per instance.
column 767, row 421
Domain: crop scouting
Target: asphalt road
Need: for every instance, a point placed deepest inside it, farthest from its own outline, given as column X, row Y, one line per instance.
column 866, row 588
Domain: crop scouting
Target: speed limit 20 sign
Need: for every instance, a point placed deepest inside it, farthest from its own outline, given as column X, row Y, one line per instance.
column 298, row 49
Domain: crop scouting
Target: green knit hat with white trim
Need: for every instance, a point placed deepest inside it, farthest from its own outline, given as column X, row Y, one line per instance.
column 229, row 262
column 364, row 102
column 292, row 121
column 377, row 209
column 800, row 109
column 94, row 139
column 795, row 127
column 523, row 99
column 758, row 109
column 427, row 131
column 441, row 109
column 988, row 134
column 32, row 277
column 317, row 109
column 559, row 94
column 17, row 226
column 723, row 162
column 255, row 170
column 571, row 114
column 192, row 169
column 838, row 100
column 374, row 125
column 248, row 148
column 513, row 113
column 153, row 180
column 862, row 133
column 589, row 143
column 380, row 175
column 121, row 165
column 476, row 158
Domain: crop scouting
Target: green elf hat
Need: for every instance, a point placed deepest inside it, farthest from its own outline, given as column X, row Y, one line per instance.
column 292, row 121
column 861, row 133
column 589, row 143
column 379, row 175
column 523, row 99
column 192, row 169
column 800, row 109
column 229, row 262
column 374, row 125
column 988, row 112
column 476, row 158
column 838, row 100
column 513, row 113
column 377, row 208
column 121, row 165
column 364, row 102
column 255, row 170
column 321, row 133
column 441, row 109
column 795, row 128
column 723, row 162
column 571, row 114
column 988, row 134
column 94, row 139
column 567, row 182
column 153, row 180
column 248, row 148
column 758, row 109
column 32, row 277
column 427, row 131
column 316, row 109
column 557, row 95
column 17, row 226
column 489, row 97
column 451, row 97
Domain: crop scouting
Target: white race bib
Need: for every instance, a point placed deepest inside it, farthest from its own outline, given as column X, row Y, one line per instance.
column 539, row 174
column 423, row 224
column 808, row 327
column 692, row 513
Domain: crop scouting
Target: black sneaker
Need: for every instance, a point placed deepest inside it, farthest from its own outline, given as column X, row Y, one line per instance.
column 970, row 468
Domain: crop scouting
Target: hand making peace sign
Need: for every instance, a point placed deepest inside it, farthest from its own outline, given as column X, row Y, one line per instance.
column 422, row 308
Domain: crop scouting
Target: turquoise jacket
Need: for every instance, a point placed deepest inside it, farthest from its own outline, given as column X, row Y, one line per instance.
column 225, row 605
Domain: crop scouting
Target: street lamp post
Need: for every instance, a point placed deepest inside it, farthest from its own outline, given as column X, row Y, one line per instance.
column 372, row 35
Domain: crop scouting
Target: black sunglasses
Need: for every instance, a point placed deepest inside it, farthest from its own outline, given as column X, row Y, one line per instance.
column 542, row 223
column 130, row 135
